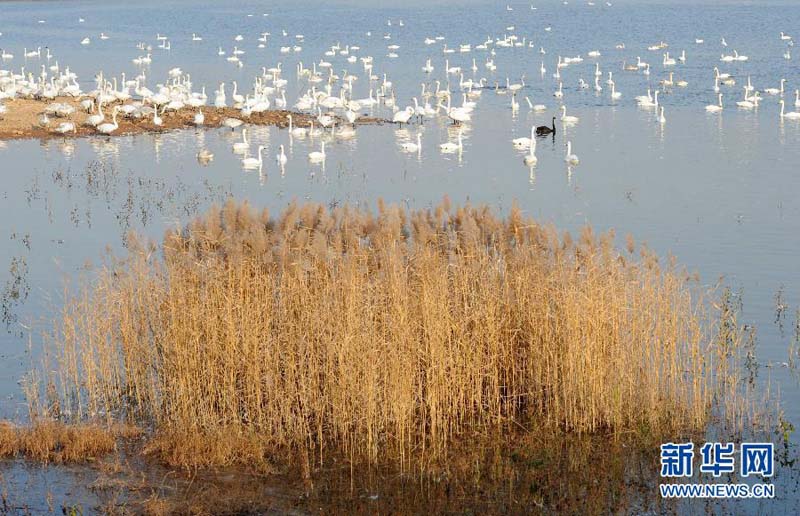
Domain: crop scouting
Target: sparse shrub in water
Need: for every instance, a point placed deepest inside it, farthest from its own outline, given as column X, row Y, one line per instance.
column 382, row 336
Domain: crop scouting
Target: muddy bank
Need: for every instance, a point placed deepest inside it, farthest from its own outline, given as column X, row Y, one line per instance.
column 22, row 120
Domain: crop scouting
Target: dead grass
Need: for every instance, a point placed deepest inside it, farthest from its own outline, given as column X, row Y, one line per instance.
column 50, row 441
column 382, row 337
column 211, row 448
column 9, row 441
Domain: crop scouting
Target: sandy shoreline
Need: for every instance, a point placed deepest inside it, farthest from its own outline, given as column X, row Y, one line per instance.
column 21, row 120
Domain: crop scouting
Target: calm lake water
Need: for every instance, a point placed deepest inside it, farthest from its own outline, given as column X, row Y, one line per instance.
column 719, row 191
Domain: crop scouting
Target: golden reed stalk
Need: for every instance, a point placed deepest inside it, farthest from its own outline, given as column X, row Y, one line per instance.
column 381, row 336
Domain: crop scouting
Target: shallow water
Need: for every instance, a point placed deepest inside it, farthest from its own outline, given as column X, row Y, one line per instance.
column 716, row 190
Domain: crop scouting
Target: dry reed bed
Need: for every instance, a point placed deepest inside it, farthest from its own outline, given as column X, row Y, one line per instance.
column 51, row 441
column 381, row 336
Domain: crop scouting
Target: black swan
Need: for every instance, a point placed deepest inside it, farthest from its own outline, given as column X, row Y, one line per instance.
column 543, row 130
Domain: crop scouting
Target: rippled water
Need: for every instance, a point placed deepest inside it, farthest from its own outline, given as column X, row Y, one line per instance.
column 719, row 191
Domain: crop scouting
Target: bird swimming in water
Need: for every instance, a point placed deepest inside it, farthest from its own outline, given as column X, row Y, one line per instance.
column 543, row 130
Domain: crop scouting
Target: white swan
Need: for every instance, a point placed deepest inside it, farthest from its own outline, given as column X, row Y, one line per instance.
column 571, row 158
column 243, row 145
column 457, row 115
column 251, row 163
column 614, row 93
column 535, row 107
column 199, row 117
column 156, row 118
column 109, row 128
column 645, row 98
column 403, row 116
column 65, row 127
column 281, row 157
column 317, row 156
column 792, row 115
column 413, row 147
column 746, row 103
column 530, row 159
column 661, row 118
column 647, row 103
column 296, row 131
column 324, row 120
column 95, row 120
column 559, row 93
column 776, row 91
column 219, row 100
column 715, row 108
column 450, row 147
column 204, row 156
column 235, row 96
column 524, row 142
column 517, row 86
column 567, row 119
column 232, row 123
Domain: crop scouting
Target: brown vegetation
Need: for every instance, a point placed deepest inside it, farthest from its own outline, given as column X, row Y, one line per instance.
column 50, row 441
column 382, row 338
